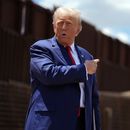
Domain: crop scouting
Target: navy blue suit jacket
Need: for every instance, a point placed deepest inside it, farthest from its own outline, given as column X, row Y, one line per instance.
column 56, row 94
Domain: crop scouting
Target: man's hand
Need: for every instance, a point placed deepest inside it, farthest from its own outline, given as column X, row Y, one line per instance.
column 91, row 65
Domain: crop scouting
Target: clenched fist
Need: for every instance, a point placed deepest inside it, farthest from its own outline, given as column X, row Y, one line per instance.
column 91, row 65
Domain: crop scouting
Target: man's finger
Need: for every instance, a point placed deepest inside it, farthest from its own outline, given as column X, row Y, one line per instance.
column 96, row 60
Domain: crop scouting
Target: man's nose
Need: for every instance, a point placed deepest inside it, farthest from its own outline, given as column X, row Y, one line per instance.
column 64, row 26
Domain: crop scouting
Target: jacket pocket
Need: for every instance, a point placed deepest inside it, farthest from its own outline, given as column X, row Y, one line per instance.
column 43, row 119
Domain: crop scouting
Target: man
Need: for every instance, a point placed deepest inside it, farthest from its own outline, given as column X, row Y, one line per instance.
column 65, row 95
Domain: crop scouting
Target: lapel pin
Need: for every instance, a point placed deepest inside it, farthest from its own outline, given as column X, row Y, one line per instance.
column 82, row 56
column 53, row 45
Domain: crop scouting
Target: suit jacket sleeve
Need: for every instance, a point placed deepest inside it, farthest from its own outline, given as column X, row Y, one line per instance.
column 96, row 104
column 43, row 67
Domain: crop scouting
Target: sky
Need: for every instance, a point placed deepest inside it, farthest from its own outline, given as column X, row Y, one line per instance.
column 111, row 17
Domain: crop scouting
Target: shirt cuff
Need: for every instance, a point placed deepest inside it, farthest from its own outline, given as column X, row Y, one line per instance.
column 86, row 71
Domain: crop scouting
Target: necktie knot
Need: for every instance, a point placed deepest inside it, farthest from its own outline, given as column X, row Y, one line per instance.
column 68, row 48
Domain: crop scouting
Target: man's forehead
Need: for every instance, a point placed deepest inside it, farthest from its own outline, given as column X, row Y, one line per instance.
column 66, row 17
column 64, row 20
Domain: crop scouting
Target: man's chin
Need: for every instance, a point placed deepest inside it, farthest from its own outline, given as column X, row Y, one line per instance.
column 65, row 41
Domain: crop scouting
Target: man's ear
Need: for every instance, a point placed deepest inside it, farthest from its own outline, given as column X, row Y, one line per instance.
column 54, row 26
column 78, row 30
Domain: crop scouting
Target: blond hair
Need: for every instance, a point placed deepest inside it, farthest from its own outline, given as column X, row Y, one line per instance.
column 69, row 12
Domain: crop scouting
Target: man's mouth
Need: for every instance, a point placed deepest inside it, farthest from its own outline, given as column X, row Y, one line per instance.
column 63, row 34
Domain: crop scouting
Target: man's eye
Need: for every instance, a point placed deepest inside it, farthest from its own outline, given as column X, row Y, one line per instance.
column 69, row 23
column 60, row 23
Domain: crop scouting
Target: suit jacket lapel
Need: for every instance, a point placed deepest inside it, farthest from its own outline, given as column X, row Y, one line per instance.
column 80, row 55
column 57, row 50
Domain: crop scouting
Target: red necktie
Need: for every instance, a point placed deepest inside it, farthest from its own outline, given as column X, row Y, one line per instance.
column 68, row 48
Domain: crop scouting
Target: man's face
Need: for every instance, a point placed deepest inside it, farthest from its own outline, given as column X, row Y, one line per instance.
column 66, row 28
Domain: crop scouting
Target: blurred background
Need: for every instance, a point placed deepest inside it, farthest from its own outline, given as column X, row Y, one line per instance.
column 106, row 34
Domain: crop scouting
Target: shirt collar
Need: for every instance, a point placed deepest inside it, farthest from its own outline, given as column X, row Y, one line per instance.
column 72, row 47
